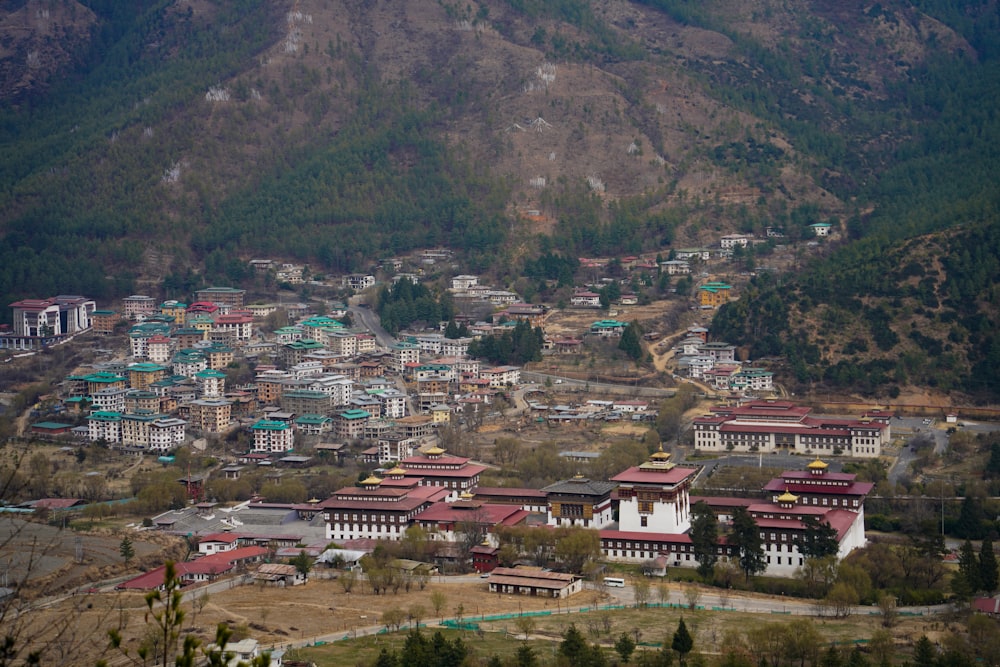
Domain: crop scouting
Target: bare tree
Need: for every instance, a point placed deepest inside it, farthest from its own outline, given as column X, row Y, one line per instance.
column 438, row 600
column 525, row 625
column 692, row 595
column 641, row 590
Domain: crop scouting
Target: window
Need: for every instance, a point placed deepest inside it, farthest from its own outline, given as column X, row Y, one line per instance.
column 643, row 521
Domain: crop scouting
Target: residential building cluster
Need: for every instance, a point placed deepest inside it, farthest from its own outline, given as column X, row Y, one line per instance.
column 714, row 363
column 315, row 377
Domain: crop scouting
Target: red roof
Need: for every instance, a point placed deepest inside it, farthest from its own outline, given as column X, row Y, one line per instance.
column 805, row 474
column 723, row 501
column 226, row 538
column 32, row 304
column 484, row 513
column 56, row 503
column 509, row 492
column 400, row 505
column 463, row 472
column 986, row 605
column 636, row 475
column 668, row 538
column 243, row 553
column 403, row 483
column 219, row 563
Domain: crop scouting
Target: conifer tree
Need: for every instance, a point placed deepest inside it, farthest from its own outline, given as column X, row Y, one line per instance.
column 682, row 641
column 966, row 581
column 987, row 568
column 704, row 535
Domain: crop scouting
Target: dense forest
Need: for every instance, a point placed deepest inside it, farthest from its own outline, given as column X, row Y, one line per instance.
column 917, row 286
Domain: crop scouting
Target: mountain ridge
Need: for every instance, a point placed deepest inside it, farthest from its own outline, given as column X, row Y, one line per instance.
column 195, row 135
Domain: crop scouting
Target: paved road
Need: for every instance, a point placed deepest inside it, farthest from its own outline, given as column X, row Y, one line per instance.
column 369, row 319
column 770, row 460
column 909, row 428
column 572, row 384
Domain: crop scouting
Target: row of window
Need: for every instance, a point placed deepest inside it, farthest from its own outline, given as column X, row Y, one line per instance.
column 382, row 518
column 372, row 529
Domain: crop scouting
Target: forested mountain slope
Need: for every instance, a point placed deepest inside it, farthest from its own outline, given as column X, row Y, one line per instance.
column 173, row 140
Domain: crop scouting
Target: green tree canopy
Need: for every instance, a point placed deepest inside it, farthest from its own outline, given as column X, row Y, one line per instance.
column 704, row 535
column 745, row 538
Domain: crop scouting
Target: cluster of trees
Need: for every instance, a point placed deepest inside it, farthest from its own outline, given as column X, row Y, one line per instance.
column 404, row 303
column 419, row 651
column 516, row 346
column 975, row 573
column 950, row 341
column 571, row 548
column 552, row 266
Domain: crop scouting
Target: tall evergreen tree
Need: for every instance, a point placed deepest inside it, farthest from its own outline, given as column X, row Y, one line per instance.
column 525, row 656
column 993, row 465
column 745, row 536
column 971, row 518
column 629, row 342
column 924, row 653
column 704, row 536
column 987, row 568
column 966, row 581
column 819, row 539
column 682, row 641
column 573, row 646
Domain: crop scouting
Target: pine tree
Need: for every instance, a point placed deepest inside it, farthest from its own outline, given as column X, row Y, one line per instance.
column 966, row 581
column 682, row 641
column 126, row 549
column 525, row 656
column 832, row 657
column 625, row 646
column 971, row 518
column 987, row 568
column 993, row 465
column 573, row 645
column 704, row 535
column 629, row 342
column 924, row 654
column 746, row 538
column 818, row 540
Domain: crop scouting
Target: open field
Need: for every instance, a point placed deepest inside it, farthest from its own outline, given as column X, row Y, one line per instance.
column 321, row 613
column 274, row 616
column 652, row 626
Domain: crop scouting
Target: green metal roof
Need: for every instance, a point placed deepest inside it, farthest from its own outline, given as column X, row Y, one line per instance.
column 269, row 425
column 311, row 419
column 146, row 367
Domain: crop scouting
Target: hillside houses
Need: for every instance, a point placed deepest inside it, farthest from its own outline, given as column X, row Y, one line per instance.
column 326, row 378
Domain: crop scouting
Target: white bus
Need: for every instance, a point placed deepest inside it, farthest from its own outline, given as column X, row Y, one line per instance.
column 614, row 582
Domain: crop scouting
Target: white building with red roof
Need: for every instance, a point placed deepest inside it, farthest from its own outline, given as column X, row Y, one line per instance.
column 769, row 426
column 653, row 497
column 435, row 468
column 835, row 499
column 530, row 500
column 448, row 521
column 206, row 568
column 372, row 510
